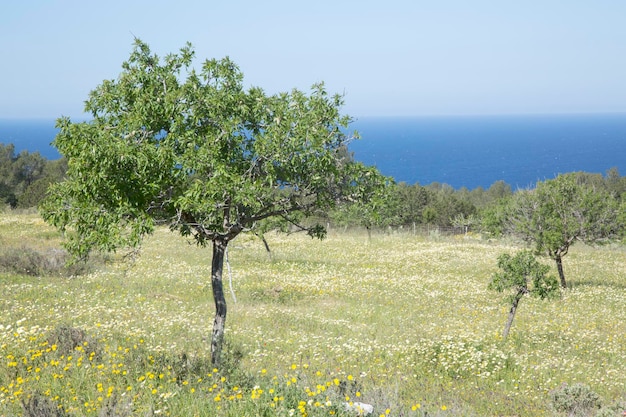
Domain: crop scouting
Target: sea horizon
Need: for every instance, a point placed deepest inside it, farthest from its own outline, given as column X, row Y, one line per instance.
column 462, row 150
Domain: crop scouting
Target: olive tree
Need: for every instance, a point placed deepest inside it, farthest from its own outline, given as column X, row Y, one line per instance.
column 196, row 151
column 523, row 274
column 561, row 211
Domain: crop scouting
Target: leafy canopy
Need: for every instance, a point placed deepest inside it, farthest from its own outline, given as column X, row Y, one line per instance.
column 562, row 210
column 196, row 151
column 525, row 275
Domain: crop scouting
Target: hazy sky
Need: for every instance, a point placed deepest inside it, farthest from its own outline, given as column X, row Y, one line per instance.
column 391, row 57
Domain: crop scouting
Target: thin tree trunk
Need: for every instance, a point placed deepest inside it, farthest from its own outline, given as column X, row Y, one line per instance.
column 267, row 246
column 509, row 321
column 217, row 265
column 559, row 267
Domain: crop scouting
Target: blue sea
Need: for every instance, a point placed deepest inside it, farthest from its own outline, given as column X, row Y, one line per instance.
column 473, row 151
column 462, row 151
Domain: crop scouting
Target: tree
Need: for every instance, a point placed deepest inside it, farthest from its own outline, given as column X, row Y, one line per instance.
column 561, row 211
column 444, row 204
column 7, row 188
column 195, row 151
column 28, row 168
column 524, row 275
column 411, row 201
column 615, row 183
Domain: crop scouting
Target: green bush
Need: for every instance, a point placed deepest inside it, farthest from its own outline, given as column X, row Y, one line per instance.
column 576, row 400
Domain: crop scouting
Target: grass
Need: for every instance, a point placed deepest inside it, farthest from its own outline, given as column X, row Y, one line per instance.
column 404, row 323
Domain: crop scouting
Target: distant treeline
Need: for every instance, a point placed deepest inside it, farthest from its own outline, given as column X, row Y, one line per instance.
column 441, row 205
column 25, row 177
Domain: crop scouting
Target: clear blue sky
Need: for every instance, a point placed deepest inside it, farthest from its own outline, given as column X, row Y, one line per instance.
column 392, row 57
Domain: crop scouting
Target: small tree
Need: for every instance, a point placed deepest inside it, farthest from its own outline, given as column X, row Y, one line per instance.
column 561, row 211
column 522, row 274
column 195, row 151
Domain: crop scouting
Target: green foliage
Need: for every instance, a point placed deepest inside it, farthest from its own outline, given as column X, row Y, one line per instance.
column 561, row 211
column 194, row 150
column 524, row 274
column 34, row 193
column 376, row 211
column 493, row 218
column 25, row 177
column 577, row 400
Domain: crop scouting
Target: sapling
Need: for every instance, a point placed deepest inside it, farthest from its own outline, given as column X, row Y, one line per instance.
column 523, row 274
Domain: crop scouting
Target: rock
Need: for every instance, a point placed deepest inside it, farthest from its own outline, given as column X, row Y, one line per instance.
column 361, row 409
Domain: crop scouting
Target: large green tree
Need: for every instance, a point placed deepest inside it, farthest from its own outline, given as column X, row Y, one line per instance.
column 561, row 211
column 195, row 150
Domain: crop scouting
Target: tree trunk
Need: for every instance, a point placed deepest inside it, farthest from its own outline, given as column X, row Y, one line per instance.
column 217, row 265
column 559, row 267
column 509, row 321
column 267, row 246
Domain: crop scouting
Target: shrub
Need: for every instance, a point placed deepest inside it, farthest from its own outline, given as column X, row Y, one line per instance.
column 29, row 261
column 22, row 261
column 38, row 405
column 67, row 339
column 577, row 400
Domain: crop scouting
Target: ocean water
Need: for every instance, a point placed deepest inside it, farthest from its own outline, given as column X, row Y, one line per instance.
column 462, row 151
column 30, row 135
column 475, row 151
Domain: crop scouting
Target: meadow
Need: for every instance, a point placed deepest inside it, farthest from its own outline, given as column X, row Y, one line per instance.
column 402, row 322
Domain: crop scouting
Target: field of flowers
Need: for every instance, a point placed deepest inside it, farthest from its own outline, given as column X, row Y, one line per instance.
column 402, row 322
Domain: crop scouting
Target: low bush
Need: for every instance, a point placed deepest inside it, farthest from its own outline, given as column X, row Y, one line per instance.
column 67, row 339
column 28, row 261
column 577, row 400
column 38, row 405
